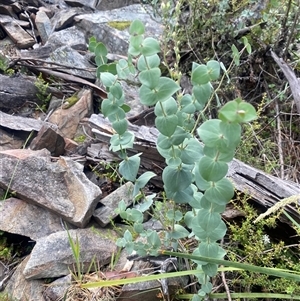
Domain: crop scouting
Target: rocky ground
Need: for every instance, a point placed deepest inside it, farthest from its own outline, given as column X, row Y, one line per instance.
column 54, row 151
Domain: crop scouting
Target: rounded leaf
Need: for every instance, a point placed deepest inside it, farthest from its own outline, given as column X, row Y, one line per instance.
column 107, row 79
column 191, row 151
column 212, row 170
column 120, row 126
column 168, row 107
column 200, row 75
column 150, row 46
column 129, row 168
column 150, row 78
column 176, row 178
column 149, row 62
column 220, row 192
column 202, row 93
column 213, row 68
column 166, row 124
column 180, row 197
column 178, row 136
column 136, row 28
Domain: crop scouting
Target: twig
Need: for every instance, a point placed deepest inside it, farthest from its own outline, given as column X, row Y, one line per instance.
column 226, row 286
column 279, row 141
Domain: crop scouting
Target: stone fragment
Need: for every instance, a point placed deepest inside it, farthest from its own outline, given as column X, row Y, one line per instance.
column 67, row 119
column 18, row 35
column 15, row 92
column 105, row 213
column 43, row 25
column 77, row 63
column 49, row 139
column 60, row 187
column 18, row 288
column 19, row 217
column 52, row 255
column 57, row 289
column 113, row 4
column 71, row 37
column 9, row 140
column 64, row 18
column 21, row 123
column 81, row 3
column 103, row 26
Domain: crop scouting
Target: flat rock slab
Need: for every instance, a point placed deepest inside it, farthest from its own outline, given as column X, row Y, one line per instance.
column 21, row 289
column 52, row 255
column 104, row 214
column 15, row 92
column 116, row 40
column 19, row 217
column 67, row 119
column 60, row 187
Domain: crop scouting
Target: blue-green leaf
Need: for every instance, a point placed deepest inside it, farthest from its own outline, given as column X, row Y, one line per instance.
column 220, row 192
column 212, row 170
column 150, row 78
column 166, row 124
column 129, row 168
column 176, row 179
column 150, row 46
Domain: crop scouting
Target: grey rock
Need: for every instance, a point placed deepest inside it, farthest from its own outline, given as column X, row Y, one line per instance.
column 49, row 139
column 21, row 123
column 20, row 289
column 104, row 214
column 58, row 288
column 19, row 217
column 113, row 4
column 68, row 119
column 64, row 18
column 76, row 63
column 43, row 25
column 9, row 140
column 115, row 40
column 71, row 37
column 15, row 92
column 17, row 34
column 52, row 255
column 60, row 187
column 80, row 3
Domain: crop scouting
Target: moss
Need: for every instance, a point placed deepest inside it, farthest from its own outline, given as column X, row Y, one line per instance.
column 70, row 101
column 80, row 139
column 120, row 25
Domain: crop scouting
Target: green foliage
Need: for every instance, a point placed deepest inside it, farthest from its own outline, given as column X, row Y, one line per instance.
column 194, row 174
column 251, row 243
column 4, row 67
column 42, row 94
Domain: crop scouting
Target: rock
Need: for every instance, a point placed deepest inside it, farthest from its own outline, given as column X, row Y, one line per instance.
column 22, row 124
column 80, row 3
column 64, row 18
column 52, row 255
column 102, row 25
column 113, row 4
column 67, row 119
column 76, row 63
column 18, row 35
column 105, row 213
column 19, row 217
column 60, row 187
column 9, row 140
column 58, row 288
column 71, row 37
column 15, row 92
column 21, row 289
column 49, row 139
column 43, row 25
